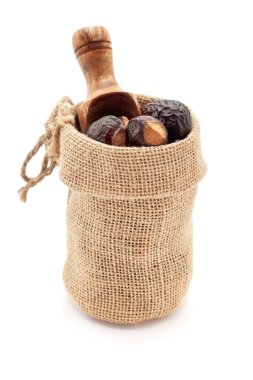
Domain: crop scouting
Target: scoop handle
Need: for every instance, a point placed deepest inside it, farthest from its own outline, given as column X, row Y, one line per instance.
column 93, row 50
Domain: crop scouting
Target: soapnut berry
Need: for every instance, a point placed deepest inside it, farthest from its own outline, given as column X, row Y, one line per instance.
column 146, row 131
column 174, row 115
column 109, row 130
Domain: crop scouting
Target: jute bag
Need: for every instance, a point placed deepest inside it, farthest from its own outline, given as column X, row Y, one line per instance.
column 128, row 218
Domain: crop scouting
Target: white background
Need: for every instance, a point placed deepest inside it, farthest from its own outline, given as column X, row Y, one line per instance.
column 199, row 52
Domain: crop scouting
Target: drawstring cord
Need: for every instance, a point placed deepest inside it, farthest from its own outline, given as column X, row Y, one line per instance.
column 62, row 114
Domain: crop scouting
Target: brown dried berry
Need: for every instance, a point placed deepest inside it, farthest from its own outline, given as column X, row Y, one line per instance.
column 146, row 131
column 108, row 130
column 173, row 114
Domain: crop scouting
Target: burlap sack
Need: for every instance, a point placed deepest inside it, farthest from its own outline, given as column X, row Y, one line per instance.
column 129, row 221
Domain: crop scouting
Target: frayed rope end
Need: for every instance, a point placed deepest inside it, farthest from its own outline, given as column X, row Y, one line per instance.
column 23, row 194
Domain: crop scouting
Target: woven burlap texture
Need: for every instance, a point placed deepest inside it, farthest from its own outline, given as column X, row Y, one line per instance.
column 129, row 223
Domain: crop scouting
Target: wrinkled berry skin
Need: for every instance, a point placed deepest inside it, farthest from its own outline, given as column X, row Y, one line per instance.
column 105, row 128
column 136, row 132
column 173, row 114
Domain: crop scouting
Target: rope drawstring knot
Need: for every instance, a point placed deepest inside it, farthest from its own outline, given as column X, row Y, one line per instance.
column 62, row 114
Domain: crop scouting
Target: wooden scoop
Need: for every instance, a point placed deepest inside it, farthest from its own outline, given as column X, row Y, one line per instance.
column 93, row 50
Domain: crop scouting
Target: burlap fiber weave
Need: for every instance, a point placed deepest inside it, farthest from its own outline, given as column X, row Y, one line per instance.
column 129, row 221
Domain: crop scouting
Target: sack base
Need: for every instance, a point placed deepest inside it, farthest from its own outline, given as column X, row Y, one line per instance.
column 136, row 313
